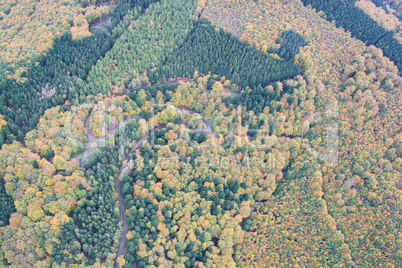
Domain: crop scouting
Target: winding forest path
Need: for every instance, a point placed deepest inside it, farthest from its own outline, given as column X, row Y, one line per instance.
column 122, row 210
column 92, row 138
column 228, row 90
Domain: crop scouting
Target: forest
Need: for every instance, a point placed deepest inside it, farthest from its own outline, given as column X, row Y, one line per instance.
column 394, row 4
column 207, row 50
column 199, row 133
column 362, row 26
column 59, row 74
column 7, row 206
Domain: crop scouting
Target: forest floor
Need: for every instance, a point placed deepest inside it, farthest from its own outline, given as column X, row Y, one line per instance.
column 102, row 25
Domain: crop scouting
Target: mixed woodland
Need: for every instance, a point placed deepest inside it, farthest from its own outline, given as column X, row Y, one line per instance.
column 184, row 133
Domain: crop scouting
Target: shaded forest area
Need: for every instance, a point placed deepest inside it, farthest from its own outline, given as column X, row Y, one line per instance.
column 60, row 74
column 210, row 50
column 7, row 206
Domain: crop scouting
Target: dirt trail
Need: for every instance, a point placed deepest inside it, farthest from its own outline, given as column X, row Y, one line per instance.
column 136, row 145
column 122, row 210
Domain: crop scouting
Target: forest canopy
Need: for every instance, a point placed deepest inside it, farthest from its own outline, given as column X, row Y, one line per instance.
column 171, row 133
column 209, row 50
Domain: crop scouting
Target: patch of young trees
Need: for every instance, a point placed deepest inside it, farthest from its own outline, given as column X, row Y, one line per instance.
column 7, row 206
column 145, row 44
column 97, row 217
